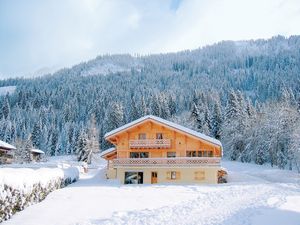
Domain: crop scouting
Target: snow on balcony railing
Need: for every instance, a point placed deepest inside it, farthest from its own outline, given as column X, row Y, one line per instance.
column 168, row 162
column 150, row 143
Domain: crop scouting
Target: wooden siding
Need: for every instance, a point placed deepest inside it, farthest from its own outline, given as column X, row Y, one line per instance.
column 180, row 143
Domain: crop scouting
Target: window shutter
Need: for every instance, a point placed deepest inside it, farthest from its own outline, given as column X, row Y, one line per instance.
column 169, row 175
column 178, row 177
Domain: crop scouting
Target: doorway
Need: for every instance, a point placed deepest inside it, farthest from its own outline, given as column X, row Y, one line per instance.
column 153, row 177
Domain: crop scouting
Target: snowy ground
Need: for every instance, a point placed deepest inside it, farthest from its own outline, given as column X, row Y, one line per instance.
column 255, row 195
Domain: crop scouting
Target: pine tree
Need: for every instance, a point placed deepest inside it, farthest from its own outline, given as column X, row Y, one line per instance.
column 172, row 106
column 82, row 147
column 164, row 107
column 26, row 152
column 216, row 121
column 233, row 107
column 114, row 116
column 155, row 107
column 134, row 112
column 6, row 108
column 92, row 142
column 36, row 135
column 143, row 107
column 53, row 142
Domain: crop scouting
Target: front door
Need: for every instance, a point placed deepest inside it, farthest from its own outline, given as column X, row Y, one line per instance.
column 153, row 177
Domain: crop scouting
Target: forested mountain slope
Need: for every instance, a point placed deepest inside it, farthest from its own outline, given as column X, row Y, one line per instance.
column 245, row 93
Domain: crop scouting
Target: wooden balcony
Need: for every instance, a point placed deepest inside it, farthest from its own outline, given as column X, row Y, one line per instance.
column 150, row 143
column 167, row 162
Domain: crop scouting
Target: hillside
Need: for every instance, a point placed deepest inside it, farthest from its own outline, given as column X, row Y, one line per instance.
column 245, row 93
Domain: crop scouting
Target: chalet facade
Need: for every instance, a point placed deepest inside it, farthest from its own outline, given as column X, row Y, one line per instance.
column 153, row 150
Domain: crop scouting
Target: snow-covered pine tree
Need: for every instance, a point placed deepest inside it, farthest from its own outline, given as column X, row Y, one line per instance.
column 155, row 107
column 26, row 152
column 53, row 142
column 82, row 147
column 164, row 106
column 114, row 116
column 134, row 111
column 216, row 122
column 5, row 108
column 36, row 135
column 143, row 107
column 234, row 126
column 172, row 105
column 92, row 141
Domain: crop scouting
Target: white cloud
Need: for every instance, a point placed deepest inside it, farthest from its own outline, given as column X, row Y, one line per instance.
column 37, row 34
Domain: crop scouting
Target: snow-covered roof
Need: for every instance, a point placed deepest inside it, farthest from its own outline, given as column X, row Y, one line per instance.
column 167, row 123
column 37, row 151
column 7, row 146
column 107, row 151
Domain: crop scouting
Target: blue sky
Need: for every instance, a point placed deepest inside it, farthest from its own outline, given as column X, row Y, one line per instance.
column 37, row 36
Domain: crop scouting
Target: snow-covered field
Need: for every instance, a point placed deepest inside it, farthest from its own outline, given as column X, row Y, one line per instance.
column 254, row 195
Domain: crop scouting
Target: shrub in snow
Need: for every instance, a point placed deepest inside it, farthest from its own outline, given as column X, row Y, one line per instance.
column 15, row 196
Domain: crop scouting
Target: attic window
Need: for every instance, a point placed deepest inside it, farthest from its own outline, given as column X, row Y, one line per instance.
column 142, row 136
column 159, row 136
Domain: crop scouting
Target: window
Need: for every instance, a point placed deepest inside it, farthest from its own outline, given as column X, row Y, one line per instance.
column 200, row 175
column 139, row 154
column 159, row 136
column 173, row 175
column 142, row 136
column 144, row 154
column 191, row 153
column 202, row 153
column 133, row 178
column 134, row 155
column 171, row 154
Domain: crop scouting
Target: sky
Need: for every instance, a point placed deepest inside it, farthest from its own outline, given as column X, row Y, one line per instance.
column 38, row 36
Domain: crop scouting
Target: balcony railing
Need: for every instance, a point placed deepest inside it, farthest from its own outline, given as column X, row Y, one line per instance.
column 167, row 162
column 150, row 143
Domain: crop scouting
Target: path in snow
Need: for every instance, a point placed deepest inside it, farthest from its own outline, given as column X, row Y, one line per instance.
column 255, row 195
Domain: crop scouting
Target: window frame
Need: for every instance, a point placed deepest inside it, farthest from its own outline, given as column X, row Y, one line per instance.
column 171, row 156
column 159, row 136
column 173, row 175
column 139, row 155
column 142, row 136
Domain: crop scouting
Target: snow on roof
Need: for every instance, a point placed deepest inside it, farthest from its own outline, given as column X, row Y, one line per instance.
column 37, row 151
column 107, row 151
column 168, row 123
column 6, row 145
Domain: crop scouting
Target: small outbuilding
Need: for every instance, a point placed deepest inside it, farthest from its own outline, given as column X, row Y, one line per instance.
column 36, row 154
column 6, row 152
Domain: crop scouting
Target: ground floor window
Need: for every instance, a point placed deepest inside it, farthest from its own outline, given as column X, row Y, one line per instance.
column 133, row 177
column 200, row 175
column 173, row 175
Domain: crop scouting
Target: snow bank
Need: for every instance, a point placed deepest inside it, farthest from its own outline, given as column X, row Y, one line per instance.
column 21, row 187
